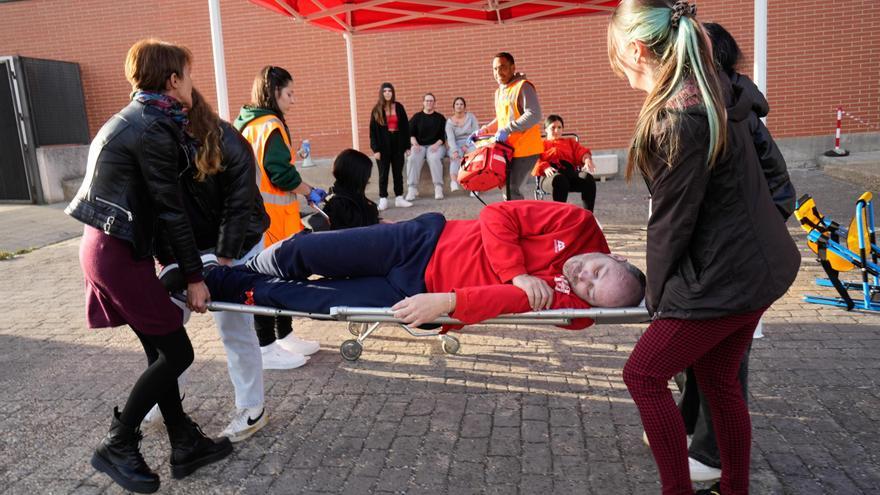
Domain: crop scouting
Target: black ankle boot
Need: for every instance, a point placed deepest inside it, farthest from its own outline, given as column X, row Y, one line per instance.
column 191, row 449
column 119, row 457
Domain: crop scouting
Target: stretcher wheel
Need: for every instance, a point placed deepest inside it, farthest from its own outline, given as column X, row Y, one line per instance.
column 351, row 350
column 450, row 344
column 356, row 328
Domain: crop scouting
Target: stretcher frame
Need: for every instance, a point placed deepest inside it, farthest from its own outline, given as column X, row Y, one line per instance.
column 363, row 322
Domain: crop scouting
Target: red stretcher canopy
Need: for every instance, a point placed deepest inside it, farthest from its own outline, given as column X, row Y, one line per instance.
column 370, row 16
column 374, row 16
column 351, row 17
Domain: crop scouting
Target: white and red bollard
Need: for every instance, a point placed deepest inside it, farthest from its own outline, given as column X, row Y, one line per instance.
column 837, row 151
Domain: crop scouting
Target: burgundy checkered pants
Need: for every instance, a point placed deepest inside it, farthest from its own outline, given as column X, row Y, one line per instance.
column 714, row 348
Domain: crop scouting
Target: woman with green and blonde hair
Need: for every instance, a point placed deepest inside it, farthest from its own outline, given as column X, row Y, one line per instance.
column 717, row 254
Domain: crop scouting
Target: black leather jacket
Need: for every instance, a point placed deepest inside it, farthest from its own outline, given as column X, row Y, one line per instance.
column 131, row 189
column 226, row 209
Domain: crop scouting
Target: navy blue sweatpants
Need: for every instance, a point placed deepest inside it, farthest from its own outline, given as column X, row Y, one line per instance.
column 373, row 266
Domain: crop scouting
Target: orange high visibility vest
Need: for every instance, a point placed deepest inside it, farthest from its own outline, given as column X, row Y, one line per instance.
column 525, row 143
column 282, row 206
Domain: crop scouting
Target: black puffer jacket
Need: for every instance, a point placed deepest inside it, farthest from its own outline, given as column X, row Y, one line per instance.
column 772, row 162
column 716, row 245
column 131, row 189
column 226, row 209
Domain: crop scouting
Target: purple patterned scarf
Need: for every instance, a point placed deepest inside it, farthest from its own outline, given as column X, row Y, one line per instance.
column 166, row 104
column 172, row 109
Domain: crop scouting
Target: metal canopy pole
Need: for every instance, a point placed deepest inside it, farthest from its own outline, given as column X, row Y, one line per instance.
column 352, row 94
column 219, row 59
column 759, row 70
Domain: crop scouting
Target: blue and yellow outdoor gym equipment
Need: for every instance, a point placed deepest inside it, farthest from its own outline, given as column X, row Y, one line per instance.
column 840, row 250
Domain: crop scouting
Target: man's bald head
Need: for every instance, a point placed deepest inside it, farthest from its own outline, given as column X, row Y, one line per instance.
column 605, row 281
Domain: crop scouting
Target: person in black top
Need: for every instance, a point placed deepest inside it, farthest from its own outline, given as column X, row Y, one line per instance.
column 427, row 131
column 228, row 218
column 347, row 205
column 704, row 459
column 718, row 254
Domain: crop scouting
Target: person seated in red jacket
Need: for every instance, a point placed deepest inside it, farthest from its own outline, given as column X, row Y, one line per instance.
column 569, row 164
column 522, row 256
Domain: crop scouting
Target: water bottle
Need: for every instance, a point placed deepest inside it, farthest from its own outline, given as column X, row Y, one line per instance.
column 307, row 151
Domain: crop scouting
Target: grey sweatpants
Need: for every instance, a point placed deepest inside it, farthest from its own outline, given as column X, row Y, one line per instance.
column 518, row 171
column 435, row 165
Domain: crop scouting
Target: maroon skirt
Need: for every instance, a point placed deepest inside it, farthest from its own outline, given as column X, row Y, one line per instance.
column 123, row 290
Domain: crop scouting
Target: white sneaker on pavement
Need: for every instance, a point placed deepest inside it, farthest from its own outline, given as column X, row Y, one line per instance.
column 411, row 195
column 401, row 203
column 438, row 192
column 383, row 204
column 295, row 345
column 453, row 186
column 245, row 423
column 276, row 358
column 702, row 472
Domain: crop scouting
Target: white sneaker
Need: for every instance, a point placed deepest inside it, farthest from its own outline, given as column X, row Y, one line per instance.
column 383, row 204
column 401, row 203
column 245, row 423
column 453, row 186
column 759, row 330
column 702, row 472
column 438, row 192
column 276, row 358
column 411, row 195
column 296, row 345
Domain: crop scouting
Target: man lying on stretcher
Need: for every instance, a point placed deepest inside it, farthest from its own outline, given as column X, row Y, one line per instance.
column 518, row 256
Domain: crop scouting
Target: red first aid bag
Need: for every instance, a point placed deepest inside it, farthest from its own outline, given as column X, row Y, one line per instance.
column 486, row 167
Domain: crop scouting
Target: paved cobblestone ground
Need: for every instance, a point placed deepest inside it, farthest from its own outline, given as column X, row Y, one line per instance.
column 521, row 410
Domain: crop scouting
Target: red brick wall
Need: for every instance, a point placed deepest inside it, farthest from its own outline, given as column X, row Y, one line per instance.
column 821, row 54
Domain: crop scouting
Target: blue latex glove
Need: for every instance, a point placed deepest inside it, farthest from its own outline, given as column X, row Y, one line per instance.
column 501, row 136
column 473, row 137
column 316, row 195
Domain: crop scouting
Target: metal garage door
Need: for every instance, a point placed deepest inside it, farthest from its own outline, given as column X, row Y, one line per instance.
column 13, row 175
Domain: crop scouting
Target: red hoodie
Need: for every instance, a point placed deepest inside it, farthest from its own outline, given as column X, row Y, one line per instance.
column 477, row 259
column 562, row 149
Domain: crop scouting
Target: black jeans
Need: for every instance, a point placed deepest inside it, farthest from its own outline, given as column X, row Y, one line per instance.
column 167, row 357
column 266, row 327
column 568, row 180
column 393, row 160
column 697, row 418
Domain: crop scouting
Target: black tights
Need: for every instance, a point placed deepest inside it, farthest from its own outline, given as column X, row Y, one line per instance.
column 167, row 357
column 265, row 327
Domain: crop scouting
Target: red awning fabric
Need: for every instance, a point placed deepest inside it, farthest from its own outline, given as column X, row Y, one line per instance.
column 370, row 16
